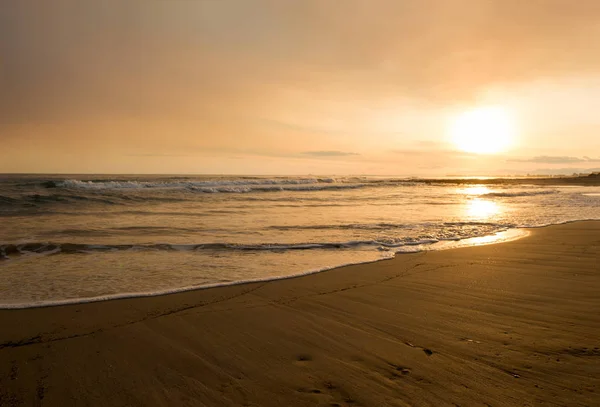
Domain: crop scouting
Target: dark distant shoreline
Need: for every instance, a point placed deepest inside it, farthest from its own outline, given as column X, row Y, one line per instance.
column 591, row 179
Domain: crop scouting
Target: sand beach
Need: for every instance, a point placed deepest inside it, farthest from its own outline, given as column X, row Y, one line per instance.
column 506, row 324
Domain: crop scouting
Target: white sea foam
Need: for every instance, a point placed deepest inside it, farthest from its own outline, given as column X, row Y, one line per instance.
column 273, row 188
column 499, row 237
column 237, row 185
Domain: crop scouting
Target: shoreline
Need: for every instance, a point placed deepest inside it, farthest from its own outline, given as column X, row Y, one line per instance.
column 496, row 238
column 493, row 239
column 503, row 324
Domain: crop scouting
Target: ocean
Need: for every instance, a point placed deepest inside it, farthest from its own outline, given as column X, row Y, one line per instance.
column 76, row 238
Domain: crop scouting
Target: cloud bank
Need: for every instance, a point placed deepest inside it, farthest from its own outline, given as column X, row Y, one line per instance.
column 133, row 58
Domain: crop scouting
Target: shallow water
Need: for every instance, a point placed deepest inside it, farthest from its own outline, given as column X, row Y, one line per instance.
column 70, row 238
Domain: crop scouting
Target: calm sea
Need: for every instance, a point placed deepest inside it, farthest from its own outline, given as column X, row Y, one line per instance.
column 75, row 238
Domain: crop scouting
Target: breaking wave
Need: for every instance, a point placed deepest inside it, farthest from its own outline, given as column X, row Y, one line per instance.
column 242, row 185
column 520, row 193
column 9, row 251
column 108, row 184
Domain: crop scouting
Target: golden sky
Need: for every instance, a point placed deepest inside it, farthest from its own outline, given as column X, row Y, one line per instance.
column 295, row 87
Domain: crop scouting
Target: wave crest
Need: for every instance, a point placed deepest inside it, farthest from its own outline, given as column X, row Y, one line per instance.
column 520, row 193
column 111, row 184
column 8, row 251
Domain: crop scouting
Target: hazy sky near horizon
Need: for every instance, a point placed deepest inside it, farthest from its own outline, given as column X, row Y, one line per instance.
column 295, row 87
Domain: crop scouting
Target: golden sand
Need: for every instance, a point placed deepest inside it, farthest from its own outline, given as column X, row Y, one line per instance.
column 511, row 324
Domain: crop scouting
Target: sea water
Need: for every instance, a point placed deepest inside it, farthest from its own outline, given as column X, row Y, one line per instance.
column 79, row 238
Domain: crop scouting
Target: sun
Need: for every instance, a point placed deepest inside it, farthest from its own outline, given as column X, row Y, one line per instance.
column 484, row 130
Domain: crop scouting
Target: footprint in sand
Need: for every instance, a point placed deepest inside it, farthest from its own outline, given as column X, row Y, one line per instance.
column 399, row 371
column 303, row 359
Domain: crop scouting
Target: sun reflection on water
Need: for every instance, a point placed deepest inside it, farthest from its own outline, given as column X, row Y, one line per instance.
column 482, row 209
column 478, row 208
column 474, row 190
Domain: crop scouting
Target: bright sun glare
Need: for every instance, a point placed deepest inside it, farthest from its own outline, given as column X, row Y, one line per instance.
column 484, row 130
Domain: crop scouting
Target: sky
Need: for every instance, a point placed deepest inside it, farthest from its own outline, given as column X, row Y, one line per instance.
column 295, row 87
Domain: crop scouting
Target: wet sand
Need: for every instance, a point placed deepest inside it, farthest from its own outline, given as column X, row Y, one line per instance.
column 511, row 324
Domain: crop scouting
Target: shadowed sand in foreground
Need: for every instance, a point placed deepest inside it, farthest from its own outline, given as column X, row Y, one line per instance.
column 509, row 324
